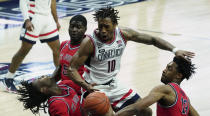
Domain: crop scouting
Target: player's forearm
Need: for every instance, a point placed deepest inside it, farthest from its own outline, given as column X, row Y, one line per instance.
column 53, row 11
column 127, row 111
column 57, row 73
column 76, row 78
column 24, row 9
column 192, row 111
column 162, row 44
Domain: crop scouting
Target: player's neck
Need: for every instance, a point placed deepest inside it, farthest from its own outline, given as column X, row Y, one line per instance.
column 56, row 91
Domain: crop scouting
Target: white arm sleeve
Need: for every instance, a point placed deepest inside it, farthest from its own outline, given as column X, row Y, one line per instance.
column 24, row 8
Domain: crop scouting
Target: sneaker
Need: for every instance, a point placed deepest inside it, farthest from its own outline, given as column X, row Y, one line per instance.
column 9, row 83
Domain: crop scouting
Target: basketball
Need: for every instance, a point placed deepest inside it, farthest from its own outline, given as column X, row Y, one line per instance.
column 97, row 103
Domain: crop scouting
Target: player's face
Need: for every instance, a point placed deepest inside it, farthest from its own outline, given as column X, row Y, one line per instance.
column 44, row 81
column 76, row 31
column 170, row 73
column 106, row 29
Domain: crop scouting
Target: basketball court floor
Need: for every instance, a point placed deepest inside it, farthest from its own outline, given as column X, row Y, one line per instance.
column 184, row 23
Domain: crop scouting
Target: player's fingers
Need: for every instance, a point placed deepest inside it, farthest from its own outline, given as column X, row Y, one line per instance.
column 94, row 84
column 32, row 26
column 190, row 55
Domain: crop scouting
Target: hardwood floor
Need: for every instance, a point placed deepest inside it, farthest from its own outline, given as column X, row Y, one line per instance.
column 185, row 24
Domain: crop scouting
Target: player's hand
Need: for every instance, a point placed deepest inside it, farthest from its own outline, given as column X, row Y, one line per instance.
column 28, row 25
column 58, row 25
column 185, row 54
column 90, row 88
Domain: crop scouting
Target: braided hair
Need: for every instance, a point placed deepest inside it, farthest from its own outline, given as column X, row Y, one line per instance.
column 32, row 98
column 107, row 12
column 184, row 67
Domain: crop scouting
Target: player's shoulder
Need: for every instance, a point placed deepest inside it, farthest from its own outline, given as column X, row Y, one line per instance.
column 87, row 41
column 163, row 89
column 64, row 42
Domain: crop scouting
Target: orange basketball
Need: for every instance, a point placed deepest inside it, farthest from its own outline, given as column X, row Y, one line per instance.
column 97, row 103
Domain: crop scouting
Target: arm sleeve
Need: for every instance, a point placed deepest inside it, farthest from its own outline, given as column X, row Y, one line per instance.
column 58, row 108
column 24, row 8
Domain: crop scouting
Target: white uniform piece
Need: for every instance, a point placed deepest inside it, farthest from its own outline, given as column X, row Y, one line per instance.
column 39, row 12
column 104, row 66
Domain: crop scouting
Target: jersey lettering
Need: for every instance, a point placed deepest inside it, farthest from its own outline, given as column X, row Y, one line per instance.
column 111, row 53
column 74, row 103
column 184, row 105
column 65, row 67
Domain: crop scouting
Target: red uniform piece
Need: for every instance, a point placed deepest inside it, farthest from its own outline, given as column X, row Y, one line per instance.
column 66, row 104
column 179, row 108
column 66, row 53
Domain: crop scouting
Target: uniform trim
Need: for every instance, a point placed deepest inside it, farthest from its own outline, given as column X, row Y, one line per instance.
column 65, row 43
column 32, row 5
column 130, row 101
column 175, row 100
column 50, row 39
column 34, row 36
column 46, row 34
column 72, row 48
column 26, row 40
column 124, row 40
column 125, row 96
column 32, row 12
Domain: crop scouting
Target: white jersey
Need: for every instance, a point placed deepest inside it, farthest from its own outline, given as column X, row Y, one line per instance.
column 105, row 64
column 32, row 7
column 40, row 6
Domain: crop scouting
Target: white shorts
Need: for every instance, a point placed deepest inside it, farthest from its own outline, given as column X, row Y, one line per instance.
column 45, row 30
column 118, row 95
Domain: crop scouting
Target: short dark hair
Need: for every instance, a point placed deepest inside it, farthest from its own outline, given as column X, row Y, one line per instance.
column 79, row 18
column 32, row 98
column 186, row 68
column 107, row 12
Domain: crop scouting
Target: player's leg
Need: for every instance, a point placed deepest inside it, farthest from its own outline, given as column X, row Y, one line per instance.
column 50, row 35
column 55, row 46
column 28, row 40
column 16, row 61
column 110, row 112
column 19, row 56
column 120, row 97
column 145, row 112
column 129, row 101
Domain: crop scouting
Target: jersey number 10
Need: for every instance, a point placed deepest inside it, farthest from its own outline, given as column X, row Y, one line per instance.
column 111, row 66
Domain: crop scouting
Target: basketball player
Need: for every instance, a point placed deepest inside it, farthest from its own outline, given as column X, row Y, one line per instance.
column 171, row 99
column 40, row 23
column 102, row 54
column 77, row 29
column 62, row 99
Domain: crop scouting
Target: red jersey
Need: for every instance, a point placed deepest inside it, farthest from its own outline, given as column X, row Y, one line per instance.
column 66, row 104
column 66, row 53
column 179, row 108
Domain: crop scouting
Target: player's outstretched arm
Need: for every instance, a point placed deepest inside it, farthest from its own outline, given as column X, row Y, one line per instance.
column 154, row 96
column 86, row 50
column 133, row 35
column 192, row 111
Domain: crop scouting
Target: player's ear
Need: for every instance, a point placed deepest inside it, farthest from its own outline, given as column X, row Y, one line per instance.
column 179, row 75
column 43, row 90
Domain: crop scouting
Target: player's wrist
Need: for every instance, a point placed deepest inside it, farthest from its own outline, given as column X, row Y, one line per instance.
column 174, row 50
